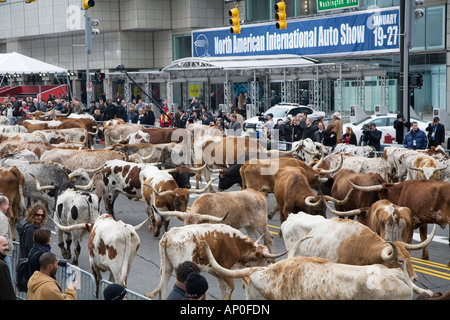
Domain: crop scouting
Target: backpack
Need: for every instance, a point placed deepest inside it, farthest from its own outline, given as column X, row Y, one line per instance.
column 23, row 273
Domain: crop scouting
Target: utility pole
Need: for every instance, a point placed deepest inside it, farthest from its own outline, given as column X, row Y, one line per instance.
column 408, row 15
column 88, row 34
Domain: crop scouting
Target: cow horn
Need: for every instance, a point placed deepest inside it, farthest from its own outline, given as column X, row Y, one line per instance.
column 388, row 253
column 204, row 189
column 38, row 185
column 321, row 160
column 198, row 169
column 159, row 194
column 209, row 218
column 273, row 255
column 215, row 170
column 148, row 157
column 94, row 170
column 331, row 171
column 223, row 271
column 423, row 244
column 294, row 248
column 339, row 202
column 366, row 188
column 171, row 214
column 69, row 228
column 416, row 169
column 309, row 200
column 86, row 187
column 343, row 214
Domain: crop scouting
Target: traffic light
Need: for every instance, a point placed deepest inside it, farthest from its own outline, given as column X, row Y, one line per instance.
column 30, row 1
column 234, row 20
column 280, row 7
column 99, row 76
column 88, row 4
column 2, row 1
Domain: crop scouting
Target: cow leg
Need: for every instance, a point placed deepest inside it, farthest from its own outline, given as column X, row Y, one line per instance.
column 226, row 286
column 76, row 252
column 208, row 178
column 423, row 236
column 64, row 252
column 98, row 277
column 155, row 221
column 272, row 213
column 198, row 179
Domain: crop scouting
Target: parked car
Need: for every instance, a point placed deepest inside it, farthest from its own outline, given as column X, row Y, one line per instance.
column 281, row 111
column 384, row 123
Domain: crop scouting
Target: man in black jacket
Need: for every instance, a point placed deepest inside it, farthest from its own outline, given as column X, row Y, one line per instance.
column 110, row 111
column 373, row 136
column 399, row 126
column 436, row 133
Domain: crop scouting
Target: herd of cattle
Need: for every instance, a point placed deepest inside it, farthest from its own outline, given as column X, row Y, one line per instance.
column 52, row 159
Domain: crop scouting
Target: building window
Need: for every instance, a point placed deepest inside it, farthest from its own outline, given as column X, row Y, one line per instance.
column 182, row 46
column 264, row 10
column 429, row 32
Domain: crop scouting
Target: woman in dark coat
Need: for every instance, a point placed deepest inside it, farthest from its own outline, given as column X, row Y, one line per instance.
column 41, row 240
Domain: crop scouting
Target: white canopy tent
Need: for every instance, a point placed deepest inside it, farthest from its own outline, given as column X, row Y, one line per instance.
column 16, row 63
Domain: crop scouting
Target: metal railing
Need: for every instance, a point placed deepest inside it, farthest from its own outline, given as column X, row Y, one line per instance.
column 85, row 281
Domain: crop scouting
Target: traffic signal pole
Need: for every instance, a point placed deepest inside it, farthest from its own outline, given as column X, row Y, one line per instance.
column 88, row 35
column 405, row 27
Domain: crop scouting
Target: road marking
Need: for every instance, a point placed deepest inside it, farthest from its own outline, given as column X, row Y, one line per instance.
column 440, row 239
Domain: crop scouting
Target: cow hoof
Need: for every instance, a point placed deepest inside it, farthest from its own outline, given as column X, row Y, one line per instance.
column 425, row 257
column 66, row 254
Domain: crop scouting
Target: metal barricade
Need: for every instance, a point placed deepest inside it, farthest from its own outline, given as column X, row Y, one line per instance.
column 64, row 275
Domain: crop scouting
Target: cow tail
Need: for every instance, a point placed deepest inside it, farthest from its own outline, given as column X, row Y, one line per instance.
column 162, row 254
column 126, row 256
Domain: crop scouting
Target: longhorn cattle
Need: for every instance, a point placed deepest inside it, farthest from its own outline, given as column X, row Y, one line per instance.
column 346, row 241
column 305, row 278
column 48, row 173
column 291, row 188
column 72, row 135
column 340, row 188
column 160, row 190
column 73, row 206
column 12, row 185
column 259, row 174
column 389, row 221
column 86, row 159
column 428, row 200
column 12, row 128
column 363, row 151
column 246, row 209
column 14, row 146
column 118, row 132
column 125, row 177
column 412, row 163
column 230, row 246
column 112, row 247
column 356, row 163
column 168, row 154
column 154, row 136
column 307, row 150
column 423, row 167
column 220, row 152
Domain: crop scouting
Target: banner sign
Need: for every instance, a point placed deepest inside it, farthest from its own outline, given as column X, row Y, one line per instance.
column 363, row 32
column 325, row 5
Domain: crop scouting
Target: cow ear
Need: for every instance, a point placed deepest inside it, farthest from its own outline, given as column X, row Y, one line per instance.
column 89, row 226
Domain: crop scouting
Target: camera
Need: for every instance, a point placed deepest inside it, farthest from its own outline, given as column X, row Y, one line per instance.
column 366, row 129
column 62, row 263
column 262, row 118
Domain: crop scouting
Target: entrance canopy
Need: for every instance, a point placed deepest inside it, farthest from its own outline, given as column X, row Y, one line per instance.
column 276, row 67
column 16, row 63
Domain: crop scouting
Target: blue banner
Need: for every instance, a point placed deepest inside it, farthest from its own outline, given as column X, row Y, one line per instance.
column 363, row 32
